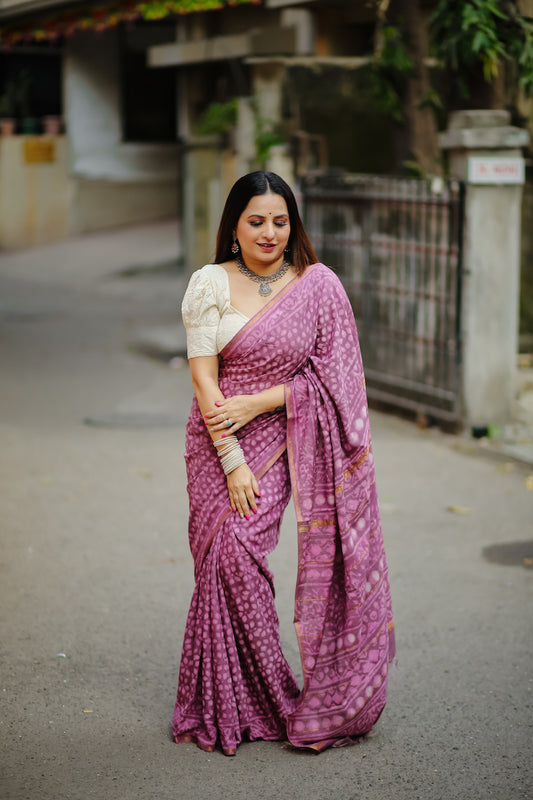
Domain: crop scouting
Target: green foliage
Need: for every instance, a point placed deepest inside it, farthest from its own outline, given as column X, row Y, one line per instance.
column 467, row 33
column 391, row 69
column 106, row 14
column 267, row 135
column 158, row 9
column 413, row 169
column 219, row 118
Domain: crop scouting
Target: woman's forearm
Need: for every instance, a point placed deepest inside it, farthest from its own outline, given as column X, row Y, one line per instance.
column 269, row 399
column 207, row 392
column 227, row 415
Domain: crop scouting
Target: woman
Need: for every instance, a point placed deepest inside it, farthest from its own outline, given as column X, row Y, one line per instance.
column 274, row 358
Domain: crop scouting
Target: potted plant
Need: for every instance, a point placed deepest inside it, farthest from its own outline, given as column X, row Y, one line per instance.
column 219, row 119
column 7, row 111
column 52, row 125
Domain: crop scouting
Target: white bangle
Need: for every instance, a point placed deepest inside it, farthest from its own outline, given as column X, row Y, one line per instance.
column 230, row 453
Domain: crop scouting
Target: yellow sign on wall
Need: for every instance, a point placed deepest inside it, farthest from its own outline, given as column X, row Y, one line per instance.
column 39, row 151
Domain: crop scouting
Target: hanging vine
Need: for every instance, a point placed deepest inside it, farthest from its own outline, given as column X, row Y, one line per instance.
column 51, row 26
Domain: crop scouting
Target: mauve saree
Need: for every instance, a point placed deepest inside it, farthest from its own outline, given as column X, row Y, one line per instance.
column 234, row 681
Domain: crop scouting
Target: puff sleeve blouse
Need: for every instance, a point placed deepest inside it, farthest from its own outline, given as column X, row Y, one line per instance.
column 209, row 318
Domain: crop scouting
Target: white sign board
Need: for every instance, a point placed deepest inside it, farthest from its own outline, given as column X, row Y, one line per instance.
column 484, row 169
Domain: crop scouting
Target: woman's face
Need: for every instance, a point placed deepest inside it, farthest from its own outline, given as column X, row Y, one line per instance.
column 263, row 231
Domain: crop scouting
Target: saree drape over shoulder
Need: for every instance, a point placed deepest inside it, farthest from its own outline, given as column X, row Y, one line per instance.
column 234, row 680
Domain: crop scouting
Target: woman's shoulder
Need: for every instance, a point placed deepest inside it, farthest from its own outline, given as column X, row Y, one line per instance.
column 211, row 278
column 325, row 278
column 213, row 273
column 207, row 292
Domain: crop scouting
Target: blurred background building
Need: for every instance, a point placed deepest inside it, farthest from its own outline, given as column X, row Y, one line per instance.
column 123, row 112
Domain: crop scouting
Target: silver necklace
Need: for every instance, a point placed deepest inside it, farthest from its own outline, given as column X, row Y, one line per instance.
column 263, row 280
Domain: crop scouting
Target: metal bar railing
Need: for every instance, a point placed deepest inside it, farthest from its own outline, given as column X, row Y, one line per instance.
column 396, row 245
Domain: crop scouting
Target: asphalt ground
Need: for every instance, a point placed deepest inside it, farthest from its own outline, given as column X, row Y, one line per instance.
column 96, row 575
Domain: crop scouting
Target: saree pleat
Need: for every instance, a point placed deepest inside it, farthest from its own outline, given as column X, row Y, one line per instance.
column 234, row 681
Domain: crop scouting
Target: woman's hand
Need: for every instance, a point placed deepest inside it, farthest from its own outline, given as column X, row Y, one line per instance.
column 232, row 413
column 243, row 489
column 242, row 408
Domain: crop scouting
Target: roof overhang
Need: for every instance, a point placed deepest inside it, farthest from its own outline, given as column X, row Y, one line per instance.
column 256, row 42
column 11, row 9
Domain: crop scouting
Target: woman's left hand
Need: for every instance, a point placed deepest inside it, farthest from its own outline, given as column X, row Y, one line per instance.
column 232, row 413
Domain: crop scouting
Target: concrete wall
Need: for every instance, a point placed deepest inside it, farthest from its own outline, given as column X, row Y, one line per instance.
column 35, row 191
column 209, row 174
column 114, row 182
column 526, row 273
column 491, row 260
column 92, row 96
column 100, row 204
column 490, row 314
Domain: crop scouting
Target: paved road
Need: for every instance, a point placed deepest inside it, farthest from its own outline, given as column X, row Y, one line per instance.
column 95, row 573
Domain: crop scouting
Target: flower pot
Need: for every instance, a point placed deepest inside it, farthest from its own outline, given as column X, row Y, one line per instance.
column 7, row 126
column 52, row 125
column 28, row 125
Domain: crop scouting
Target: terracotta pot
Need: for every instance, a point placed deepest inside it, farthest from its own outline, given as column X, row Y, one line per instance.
column 52, row 126
column 7, row 126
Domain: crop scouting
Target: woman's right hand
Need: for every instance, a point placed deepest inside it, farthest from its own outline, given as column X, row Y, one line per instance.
column 243, row 490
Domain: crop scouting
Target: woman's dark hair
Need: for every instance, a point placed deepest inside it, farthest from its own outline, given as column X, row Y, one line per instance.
column 300, row 248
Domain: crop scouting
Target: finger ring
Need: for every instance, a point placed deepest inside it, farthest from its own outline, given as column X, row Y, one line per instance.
column 229, row 423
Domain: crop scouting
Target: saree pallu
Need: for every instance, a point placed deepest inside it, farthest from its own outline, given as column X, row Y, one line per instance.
column 234, row 681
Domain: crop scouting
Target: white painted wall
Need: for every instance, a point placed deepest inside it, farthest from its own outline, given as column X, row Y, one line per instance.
column 115, row 182
column 35, row 197
column 92, row 96
column 490, row 305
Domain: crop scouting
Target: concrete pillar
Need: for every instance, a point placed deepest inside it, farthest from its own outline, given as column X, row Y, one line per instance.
column 245, row 136
column 92, row 95
column 268, row 91
column 485, row 152
column 267, row 86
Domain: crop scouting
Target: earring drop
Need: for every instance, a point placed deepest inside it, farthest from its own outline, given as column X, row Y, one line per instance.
column 235, row 247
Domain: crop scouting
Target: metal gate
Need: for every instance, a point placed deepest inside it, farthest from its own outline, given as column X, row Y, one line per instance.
column 396, row 245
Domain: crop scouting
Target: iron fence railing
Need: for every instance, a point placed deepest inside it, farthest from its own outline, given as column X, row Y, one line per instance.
column 396, row 245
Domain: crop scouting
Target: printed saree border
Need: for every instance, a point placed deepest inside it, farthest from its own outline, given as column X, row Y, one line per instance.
column 289, row 406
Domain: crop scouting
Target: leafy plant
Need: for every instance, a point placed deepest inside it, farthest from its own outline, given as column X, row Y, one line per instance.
column 219, row 118
column 483, row 32
column 267, row 135
column 391, row 68
column 414, row 169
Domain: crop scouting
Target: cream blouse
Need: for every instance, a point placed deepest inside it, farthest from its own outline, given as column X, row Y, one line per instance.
column 209, row 318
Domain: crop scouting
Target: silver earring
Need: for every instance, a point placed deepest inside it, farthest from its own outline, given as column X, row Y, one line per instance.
column 235, row 247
